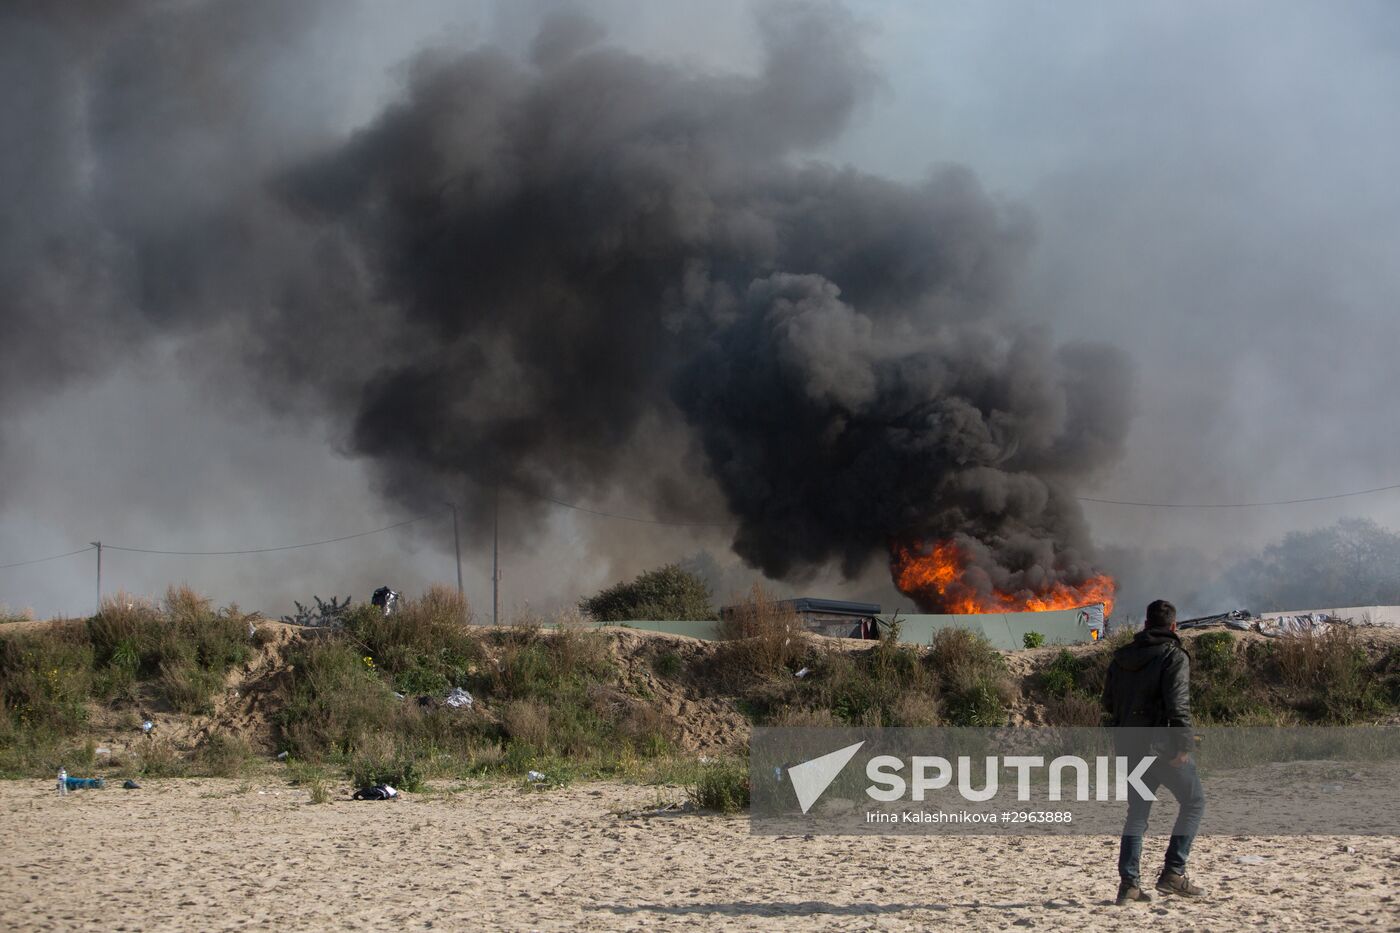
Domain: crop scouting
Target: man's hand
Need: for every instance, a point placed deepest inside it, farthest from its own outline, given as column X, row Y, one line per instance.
column 1180, row 759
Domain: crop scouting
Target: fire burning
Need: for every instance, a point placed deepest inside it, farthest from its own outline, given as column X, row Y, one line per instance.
column 937, row 578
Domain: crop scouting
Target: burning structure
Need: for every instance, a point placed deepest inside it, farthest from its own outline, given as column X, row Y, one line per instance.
column 939, row 576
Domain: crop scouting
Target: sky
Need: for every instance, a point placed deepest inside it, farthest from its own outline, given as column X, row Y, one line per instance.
column 1210, row 191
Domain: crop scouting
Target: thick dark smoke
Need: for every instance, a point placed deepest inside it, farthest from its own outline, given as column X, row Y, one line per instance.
column 591, row 271
column 580, row 243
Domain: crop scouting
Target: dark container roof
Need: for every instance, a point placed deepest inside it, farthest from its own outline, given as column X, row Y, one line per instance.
column 832, row 606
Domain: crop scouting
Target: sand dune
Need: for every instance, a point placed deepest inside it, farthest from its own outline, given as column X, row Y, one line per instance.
column 211, row 855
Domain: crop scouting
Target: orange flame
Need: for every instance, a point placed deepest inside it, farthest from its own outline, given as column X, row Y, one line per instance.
column 936, row 578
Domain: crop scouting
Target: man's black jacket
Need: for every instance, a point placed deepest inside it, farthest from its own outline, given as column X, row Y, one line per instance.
column 1149, row 685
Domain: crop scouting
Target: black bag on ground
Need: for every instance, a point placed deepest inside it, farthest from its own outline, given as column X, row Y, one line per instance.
column 376, row 792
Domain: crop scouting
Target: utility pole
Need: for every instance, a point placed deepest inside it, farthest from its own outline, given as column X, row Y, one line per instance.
column 457, row 547
column 98, row 545
column 496, row 559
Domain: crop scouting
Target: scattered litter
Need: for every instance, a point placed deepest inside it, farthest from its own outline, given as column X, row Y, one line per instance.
column 130, row 785
column 1349, row 850
column 252, row 630
column 376, row 792
column 1241, row 619
column 803, row 673
column 665, row 809
column 1285, row 624
column 281, row 756
column 74, row 783
column 535, row 777
column 459, row 699
column 398, row 695
column 386, row 599
column 147, row 726
column 102, row 751
column 1332, row 788
column 1309, row 623
column 705, row 759
column 262, row 793
column 1250, row 859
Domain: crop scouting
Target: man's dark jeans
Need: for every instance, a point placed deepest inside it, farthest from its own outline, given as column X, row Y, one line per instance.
column 1185, row 785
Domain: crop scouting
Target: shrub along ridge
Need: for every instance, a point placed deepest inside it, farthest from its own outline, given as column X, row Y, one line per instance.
column 367, row 698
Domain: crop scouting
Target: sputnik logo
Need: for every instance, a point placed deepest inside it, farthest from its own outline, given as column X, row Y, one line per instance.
column 811, row 778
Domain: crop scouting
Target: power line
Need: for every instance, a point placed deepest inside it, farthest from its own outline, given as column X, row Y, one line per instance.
column 1238, row 505
column 40, row 560
column 657, row 521
column 264, row 550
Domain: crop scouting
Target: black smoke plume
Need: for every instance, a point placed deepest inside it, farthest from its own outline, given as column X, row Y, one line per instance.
column 591, row 271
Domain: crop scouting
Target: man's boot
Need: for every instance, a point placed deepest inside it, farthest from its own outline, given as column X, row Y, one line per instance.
column 1129, row 891
column 1170, row 882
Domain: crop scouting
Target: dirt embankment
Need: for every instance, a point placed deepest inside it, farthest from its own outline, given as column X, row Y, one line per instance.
column 672, row 674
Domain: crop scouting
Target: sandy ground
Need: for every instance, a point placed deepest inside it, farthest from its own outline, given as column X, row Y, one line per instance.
column 214, row 855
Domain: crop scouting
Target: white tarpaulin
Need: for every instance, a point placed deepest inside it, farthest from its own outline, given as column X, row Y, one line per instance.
column 1352, row 615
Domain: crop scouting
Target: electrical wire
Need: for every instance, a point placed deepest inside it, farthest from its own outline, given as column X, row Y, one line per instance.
column 657, row 521
column 40, row 560
column 264, row 550
column 1237, row 505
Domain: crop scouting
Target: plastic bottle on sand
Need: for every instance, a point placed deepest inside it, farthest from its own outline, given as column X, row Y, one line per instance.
column 62, row 782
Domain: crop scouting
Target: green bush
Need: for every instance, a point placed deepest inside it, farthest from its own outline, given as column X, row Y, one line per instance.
column 722, row 786
column 335, row 700
column 667, row 593
column 978, row 704
column 1214, row 651
column 554, row 696
column 401, row 772
column 426, row 648
column 887, row 684
column 189, row 688
column 1061, row 675
column 668, row 664
column 1032, row 639
column 977, row 689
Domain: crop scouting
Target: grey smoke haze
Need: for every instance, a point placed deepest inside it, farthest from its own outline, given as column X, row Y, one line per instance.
column 206, row 175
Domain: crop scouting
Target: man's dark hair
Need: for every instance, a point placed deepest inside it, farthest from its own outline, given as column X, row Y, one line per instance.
column 1160, row 614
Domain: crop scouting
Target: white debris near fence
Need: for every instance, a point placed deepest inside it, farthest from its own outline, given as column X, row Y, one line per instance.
column 1299, row 622
column 1387, row 616
column 1304, row 623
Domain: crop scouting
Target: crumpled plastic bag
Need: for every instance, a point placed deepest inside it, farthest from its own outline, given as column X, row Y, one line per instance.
column 376, row 792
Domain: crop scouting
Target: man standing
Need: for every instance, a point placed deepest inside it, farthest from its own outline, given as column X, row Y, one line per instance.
column 1147, row 696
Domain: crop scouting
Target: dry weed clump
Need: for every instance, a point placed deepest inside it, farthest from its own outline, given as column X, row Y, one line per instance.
column 526, row 722
column 222, row 754
column 1333, row 675
column 761, row 635
column 15, row 615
